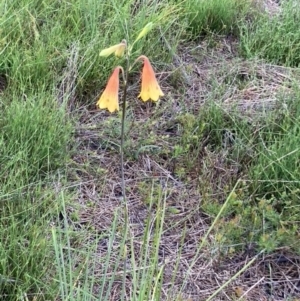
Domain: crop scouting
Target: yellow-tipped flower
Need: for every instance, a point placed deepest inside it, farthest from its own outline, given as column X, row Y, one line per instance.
column 150, row 87
column 110, row 98
column 144, row 31
column 118, row 50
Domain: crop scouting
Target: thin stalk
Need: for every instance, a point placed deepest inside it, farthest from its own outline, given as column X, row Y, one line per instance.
column 125, row 78
column 123, row 127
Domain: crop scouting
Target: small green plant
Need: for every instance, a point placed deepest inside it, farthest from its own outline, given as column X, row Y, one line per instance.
column 253, row 223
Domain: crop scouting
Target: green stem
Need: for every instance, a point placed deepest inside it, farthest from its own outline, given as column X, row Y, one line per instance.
column 123, row 128
column 125, row 77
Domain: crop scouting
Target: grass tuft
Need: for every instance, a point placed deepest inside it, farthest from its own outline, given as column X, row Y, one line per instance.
column 276, row 38
column 35, row 136
column 216, row 16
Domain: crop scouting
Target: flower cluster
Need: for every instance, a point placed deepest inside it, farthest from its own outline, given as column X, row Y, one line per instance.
column 150, row 88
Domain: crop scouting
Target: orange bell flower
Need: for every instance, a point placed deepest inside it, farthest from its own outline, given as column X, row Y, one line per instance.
column 110, row 98
column 150, row 87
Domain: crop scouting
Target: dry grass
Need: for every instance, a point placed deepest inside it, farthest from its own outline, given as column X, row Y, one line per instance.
column 272, row 7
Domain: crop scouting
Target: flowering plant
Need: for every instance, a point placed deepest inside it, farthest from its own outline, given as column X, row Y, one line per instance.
column 150, row 89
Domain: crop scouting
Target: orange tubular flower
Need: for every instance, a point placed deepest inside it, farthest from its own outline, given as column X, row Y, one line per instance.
column 109, row 98
column 150, row 87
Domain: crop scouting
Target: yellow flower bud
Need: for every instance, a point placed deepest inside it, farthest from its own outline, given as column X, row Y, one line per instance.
column 118, row 50
column 144, row 31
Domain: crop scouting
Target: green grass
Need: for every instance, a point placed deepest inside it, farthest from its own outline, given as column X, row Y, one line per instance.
column 274, row 39
column 218, row 17
column 34, row 144
column 35, row 135
column 38, row 38
column 26, row 246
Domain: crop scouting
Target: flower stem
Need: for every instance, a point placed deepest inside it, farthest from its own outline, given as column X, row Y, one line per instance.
column 123, row 128
column 126, row 218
